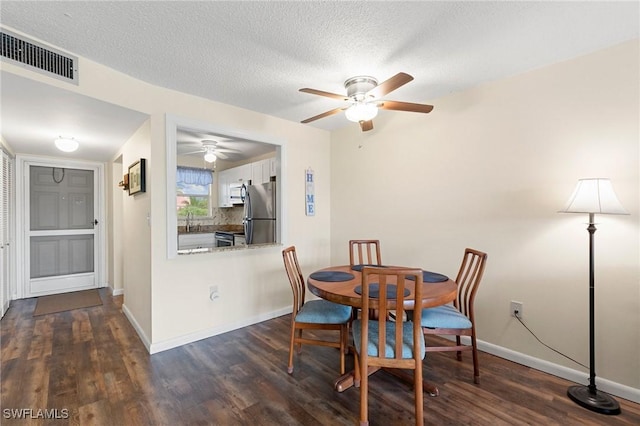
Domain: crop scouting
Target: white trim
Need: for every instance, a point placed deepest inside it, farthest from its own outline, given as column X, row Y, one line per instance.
column 136, row 326
column 214, row 331
column 117, row 292
column 579, row 377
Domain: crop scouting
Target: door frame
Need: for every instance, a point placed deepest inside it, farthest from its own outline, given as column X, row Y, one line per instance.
column 23, row 162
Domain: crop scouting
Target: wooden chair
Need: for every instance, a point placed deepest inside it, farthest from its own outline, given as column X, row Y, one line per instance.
column 361, row 250
column 314, row 314
column 384, row 343
column 458, row 319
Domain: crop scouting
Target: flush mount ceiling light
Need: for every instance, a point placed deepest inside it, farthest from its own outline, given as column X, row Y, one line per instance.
column 66, row 144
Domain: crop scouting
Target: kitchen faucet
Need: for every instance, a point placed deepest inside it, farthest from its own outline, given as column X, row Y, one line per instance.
column 189, row 219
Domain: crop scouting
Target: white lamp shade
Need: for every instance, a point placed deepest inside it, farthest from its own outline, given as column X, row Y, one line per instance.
column 210, row 157
column 594, row 195
column 66, row 144
column 361, row 112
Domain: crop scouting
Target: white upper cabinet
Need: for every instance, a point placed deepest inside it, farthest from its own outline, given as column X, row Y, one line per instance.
column 261, row 172
column 273, row 167
column 257, row 173
column 224, row 196
column 240, row 174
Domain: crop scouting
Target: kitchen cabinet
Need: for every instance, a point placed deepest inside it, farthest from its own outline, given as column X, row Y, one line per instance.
column 240, row 174
column 273, row 167
column 261, row 172
column 257, row 173
column 195, row 241
column 224, row 194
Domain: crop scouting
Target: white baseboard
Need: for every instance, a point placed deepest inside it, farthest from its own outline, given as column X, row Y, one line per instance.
column 210, row 332
column 136, row 326
column 579, row 377
column 117, row 291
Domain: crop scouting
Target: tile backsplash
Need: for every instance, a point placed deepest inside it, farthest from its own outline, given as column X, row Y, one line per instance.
column 225, row 216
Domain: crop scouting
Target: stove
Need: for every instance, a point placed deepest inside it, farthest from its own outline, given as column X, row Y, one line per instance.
column 229, row 239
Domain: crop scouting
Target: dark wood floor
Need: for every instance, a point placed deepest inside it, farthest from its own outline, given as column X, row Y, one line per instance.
column 91, row 363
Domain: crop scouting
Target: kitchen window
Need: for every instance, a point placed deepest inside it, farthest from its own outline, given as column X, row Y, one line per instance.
column 193, row 191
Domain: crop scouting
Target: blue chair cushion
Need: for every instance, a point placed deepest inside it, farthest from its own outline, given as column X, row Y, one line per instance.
column 445, row 316
column 372, row 347
column 323, row 312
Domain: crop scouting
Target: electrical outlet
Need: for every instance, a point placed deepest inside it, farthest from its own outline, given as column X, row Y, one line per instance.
column 213, row 292
column 516, row 306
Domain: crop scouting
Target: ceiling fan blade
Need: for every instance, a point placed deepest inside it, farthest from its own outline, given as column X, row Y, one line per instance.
column 221, row 155
column 405, row 106
column 389, row 85
column 218, row 149
column 324, row 114
column 326, row 94
column 191, row 152
column 366, row 125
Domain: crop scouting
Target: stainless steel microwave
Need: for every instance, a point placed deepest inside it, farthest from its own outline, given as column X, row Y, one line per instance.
column 238, row 193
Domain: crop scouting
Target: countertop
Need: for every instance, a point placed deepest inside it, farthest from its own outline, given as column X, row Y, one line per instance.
column 209, row 229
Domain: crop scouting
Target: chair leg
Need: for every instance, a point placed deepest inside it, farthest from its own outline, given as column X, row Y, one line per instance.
column 476, row 367
column 299, row 337
column 417, row 374
column 293, row 335
column 458, row 353
column 364, row 390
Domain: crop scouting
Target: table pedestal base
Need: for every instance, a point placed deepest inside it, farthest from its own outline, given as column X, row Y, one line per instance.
column 345, row 381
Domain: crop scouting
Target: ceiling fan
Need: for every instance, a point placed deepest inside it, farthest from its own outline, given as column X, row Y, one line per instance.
column 208, row 147
column 364, row 95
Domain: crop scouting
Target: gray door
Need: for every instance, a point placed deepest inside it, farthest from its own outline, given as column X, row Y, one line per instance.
column 61, row 232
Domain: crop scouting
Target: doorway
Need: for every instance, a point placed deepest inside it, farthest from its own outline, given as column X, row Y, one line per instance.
column 61, row 228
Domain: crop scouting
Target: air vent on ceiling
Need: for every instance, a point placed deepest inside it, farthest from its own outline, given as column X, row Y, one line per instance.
column 39, row 57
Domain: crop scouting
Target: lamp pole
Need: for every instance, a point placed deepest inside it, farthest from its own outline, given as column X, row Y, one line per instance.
column 589, row 396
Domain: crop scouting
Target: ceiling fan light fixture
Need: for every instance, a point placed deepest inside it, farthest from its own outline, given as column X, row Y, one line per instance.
column 361, row 112
column 66, row 144
column 210, row 157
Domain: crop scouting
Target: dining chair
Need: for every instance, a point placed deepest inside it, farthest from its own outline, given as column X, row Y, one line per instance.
column 364, row 251
column 458, row 319
column 314, row 314
column 382, row 342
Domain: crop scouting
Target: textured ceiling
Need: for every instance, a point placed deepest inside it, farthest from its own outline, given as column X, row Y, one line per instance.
column 256, row 55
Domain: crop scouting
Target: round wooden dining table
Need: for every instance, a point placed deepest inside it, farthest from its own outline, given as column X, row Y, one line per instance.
column 338, row 284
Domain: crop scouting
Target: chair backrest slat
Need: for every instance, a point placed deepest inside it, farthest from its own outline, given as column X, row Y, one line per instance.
column 468, row 280
column 295, row 277
column 364, row 252
column 388, row 301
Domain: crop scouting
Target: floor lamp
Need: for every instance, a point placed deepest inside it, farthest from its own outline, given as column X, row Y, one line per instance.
column 593, row 196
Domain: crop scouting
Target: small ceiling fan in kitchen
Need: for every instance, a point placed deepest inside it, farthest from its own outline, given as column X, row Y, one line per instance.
column 364, row 95
column 210, row 150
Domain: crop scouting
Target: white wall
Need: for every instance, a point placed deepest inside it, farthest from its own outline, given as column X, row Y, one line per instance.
column 135, row 237
column 489, row 168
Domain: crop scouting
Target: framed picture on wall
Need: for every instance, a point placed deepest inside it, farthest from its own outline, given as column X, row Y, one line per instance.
column 137, row 177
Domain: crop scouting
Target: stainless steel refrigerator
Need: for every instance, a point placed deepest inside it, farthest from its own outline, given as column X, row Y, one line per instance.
column 260, row 214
